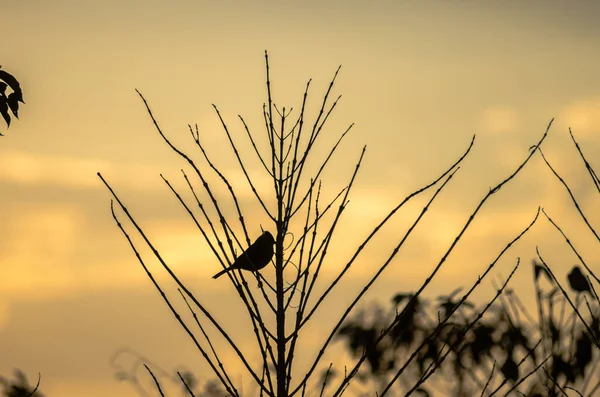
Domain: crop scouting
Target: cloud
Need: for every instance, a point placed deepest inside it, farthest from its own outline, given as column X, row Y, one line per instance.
column 46, row 253
column 80, row 173
column 72, row 172
column 582, row 116
column 500, row 120
column 41, row 240
column 373, row 204
column 22, row 168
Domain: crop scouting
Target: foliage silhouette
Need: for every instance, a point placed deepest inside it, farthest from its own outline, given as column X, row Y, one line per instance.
column 577, row 280
column 543, row 357
column 499, row 339
column 9, row 101
column 127, row 363
column 19, row 387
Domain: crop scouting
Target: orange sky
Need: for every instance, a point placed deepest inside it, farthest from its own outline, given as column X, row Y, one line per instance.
column 419, row 78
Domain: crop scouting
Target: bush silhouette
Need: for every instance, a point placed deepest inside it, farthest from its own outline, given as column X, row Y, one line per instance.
column 466, row 348
column 499, row 347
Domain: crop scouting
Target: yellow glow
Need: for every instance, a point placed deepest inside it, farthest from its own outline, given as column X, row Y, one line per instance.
column 418, row 79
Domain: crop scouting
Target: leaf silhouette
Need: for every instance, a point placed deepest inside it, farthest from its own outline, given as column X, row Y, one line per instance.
column 13, row 103
column 540, row 269
column 430, row 352
column 422, row 391
column 554, row 332
column 583, row 352
column 398, row 298
column 403, row 333
column 510, row 370
column 562, row 367
column 10, row 102
column 121, row 376
column 189, row 380
column 595, row 326
column 482, row 343
column 4, row 110
column 577, row 280
column 20, row 386
column 13, row 84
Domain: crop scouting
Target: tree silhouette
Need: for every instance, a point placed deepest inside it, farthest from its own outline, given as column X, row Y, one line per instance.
column 283, row 303
column 10, row 96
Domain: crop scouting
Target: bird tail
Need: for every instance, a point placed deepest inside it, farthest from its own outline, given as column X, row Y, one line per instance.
column 222, row 272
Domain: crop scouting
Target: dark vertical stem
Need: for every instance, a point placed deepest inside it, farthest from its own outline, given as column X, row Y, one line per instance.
column 281, row 362
column 279, row 182
column 281, row 339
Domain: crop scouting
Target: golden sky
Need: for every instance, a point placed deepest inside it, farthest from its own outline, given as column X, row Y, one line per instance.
column 419, row 78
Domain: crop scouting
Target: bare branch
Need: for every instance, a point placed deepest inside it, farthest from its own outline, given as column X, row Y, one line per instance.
column 180, row 284
column 572, row 197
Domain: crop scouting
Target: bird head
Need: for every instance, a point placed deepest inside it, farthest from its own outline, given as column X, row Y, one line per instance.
column 269, row 236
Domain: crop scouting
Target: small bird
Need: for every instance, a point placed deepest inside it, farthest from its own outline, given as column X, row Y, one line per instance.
column 257, row 256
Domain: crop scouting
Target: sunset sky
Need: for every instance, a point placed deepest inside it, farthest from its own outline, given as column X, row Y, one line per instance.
column 418, row 79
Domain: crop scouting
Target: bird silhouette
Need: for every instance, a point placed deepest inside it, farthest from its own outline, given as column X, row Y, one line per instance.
column 578, row 281
column 257, row 256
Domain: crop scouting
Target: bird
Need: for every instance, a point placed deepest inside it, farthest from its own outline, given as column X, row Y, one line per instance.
column 578, row 281
column 257, row 256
